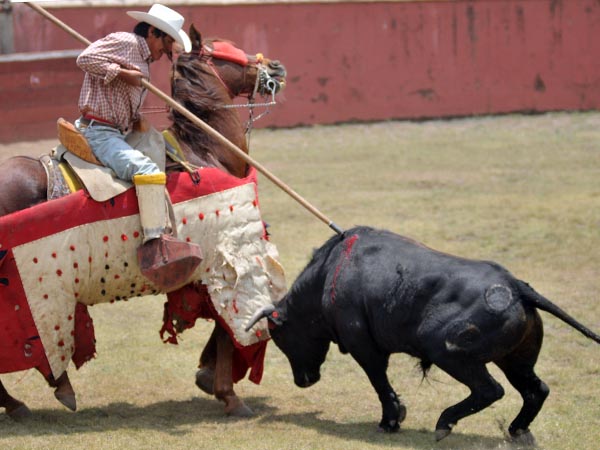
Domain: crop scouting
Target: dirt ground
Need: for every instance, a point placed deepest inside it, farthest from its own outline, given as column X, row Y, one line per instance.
column 519, row 190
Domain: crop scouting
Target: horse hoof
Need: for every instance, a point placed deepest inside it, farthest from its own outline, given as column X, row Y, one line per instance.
column 67, row 399
column 205, row 380
column 240, row 411
column 523, row 438
column 237, row 408
column 442, row 433
column 20, row 413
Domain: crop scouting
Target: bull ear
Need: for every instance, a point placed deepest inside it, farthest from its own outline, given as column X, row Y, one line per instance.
column 268, row 311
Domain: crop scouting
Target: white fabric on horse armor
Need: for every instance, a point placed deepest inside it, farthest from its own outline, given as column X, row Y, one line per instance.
column 96, row 263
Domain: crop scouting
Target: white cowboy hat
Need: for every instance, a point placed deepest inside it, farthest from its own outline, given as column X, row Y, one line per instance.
column 167, row 20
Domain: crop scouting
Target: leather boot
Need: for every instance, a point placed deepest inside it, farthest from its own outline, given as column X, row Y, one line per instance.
column 165, row 260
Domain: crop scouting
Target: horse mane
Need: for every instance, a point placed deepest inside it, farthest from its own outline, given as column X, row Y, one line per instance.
column 199, row 91
column 198, row 86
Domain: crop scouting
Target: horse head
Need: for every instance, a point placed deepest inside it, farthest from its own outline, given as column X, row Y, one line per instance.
column 242, row 74
column 206, row 81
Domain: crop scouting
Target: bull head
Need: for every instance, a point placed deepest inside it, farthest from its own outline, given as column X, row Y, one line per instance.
column 272, row 314
column 301, row 334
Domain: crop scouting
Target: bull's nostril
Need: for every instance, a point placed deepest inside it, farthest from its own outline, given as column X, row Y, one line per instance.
column 306, row 380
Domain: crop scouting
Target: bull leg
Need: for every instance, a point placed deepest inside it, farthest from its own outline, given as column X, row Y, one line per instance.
column 534, row 392
column 375, row 365
column 234, row 406
column 63, row 391
column 484, row 391
column 393, row 411
column 15, row 409
column 205, row 376
column 518, row 368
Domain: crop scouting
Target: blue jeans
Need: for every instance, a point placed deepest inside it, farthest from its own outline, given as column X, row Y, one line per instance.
column 109, row 146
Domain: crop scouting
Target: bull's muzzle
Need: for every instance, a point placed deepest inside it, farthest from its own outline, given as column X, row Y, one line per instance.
column 305, row 379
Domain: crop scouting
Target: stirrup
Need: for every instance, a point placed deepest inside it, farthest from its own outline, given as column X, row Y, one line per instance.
column 167, row 262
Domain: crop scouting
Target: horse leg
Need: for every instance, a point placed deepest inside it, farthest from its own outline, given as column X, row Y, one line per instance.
column 205, row 376
column 234, row 406
column 15, row 409
column 63, row 391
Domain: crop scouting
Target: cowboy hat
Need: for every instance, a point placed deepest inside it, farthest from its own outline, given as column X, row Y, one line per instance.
column 166, row 20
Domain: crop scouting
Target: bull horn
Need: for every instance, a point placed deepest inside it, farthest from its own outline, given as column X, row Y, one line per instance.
column 265, row 311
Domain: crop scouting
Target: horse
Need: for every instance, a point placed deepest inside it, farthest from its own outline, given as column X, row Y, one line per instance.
column 205, row 81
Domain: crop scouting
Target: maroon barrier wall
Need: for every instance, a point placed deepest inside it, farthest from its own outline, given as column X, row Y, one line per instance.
column 347, row 61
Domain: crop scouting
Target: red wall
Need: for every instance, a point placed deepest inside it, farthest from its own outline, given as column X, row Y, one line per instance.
column 348, row 61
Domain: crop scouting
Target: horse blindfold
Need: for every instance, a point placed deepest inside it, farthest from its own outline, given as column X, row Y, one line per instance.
column 228, row 52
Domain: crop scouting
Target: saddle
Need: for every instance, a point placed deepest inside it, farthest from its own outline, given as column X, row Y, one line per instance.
column 99, row 180
column 145, row 138
column 75, row 142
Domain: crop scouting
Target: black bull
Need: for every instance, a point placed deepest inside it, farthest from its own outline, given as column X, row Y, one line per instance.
column 375, row 293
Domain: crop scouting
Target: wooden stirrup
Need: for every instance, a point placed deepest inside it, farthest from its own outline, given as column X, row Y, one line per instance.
column 75, row 142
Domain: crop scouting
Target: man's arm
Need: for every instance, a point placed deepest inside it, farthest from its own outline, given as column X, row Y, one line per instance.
column 107, row 59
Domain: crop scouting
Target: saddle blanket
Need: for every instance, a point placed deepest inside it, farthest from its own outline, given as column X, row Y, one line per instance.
column 58, row 257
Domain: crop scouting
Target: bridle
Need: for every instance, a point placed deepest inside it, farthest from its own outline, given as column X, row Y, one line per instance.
column 265, row 84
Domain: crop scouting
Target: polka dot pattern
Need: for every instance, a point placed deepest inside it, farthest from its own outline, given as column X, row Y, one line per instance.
column 97, row 263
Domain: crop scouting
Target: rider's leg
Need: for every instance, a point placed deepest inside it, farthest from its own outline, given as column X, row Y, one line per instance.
column 164, row 260
column 167, row 262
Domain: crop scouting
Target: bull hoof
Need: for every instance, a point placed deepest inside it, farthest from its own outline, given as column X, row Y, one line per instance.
column 67, row 399
column 19, row 413
column 523, row 438
column 205, row 380
column 442, row 433
column 389, row 426
column 401, row 413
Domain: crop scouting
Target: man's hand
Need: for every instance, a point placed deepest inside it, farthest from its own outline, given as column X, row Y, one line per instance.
column 131, row 77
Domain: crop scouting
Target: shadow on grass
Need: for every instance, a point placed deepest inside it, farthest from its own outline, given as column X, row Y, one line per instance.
column 368, row 432
column 170, row 417
column 175, row 418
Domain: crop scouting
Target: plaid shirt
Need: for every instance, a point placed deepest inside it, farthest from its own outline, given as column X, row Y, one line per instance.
column 105, row 96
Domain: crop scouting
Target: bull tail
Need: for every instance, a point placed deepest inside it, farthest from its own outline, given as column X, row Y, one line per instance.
column 531, row 297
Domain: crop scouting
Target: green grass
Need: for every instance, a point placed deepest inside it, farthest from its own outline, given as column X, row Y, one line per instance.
column 523, row 191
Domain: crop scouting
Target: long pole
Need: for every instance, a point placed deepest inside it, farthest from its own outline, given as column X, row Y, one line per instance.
column 207, row 128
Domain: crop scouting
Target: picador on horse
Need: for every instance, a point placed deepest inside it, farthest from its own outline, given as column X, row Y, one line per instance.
column 110, row 100
column 191, row 228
